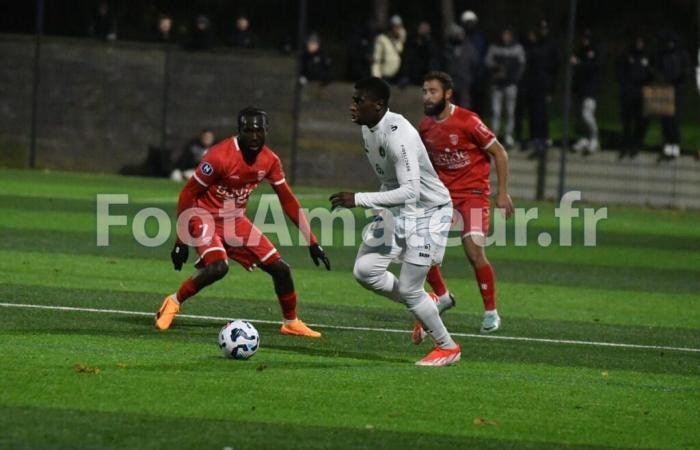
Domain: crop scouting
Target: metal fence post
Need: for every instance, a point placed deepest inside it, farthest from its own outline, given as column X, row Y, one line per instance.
column 296, row 106
column 567, row 98
column 35, row 85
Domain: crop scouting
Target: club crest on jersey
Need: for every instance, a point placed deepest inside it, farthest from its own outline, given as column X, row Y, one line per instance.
column 207, row 169
column 454, row 139
column 394, row 128
column 261, row 175
column 382, row 152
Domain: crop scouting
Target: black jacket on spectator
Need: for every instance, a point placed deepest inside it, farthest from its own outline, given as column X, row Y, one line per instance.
column 633, row 72
column 316, row 66
column 550, row 62
column 673, row 64
column 420, row 57
column 241, row 39
column 587, row 73
column 361, row 51
column 460, row 60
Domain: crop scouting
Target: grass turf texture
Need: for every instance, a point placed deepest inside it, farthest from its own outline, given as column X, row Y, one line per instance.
column 84, row 380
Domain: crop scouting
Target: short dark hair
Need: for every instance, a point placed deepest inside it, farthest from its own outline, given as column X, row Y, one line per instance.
column 444, row 79
column 377, row 88
column 250, row 111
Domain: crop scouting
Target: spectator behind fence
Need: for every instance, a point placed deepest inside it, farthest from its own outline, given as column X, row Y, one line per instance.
column 388, row 49
column 697, row 72
column 361, row 50
column 191, row 155
column 315, row 64
column 421, row 55
column 506, row 63
column 552, row 59
column 242, row 37
column 164, row 29
column 201, row 34
column 633, row 73
column 103, row 24
column 470, row 24
column 460, row 60
column 535, row 90
column 587, row 63
column 672, row 65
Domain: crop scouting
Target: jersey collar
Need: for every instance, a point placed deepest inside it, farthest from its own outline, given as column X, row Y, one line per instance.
column 379, row 124
column 235, row 143
column 452, row 111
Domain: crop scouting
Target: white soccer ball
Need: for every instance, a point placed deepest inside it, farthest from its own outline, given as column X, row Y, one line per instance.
column 239, row 339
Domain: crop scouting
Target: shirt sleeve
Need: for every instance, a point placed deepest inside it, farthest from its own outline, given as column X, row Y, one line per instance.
column 208, row 170
column 402, row 149
column 275, row 176
column 480, row 134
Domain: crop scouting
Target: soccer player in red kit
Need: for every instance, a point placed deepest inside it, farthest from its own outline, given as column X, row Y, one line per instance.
column 221, row 185
column 461, row 147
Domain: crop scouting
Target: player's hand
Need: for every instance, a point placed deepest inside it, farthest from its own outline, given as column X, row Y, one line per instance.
column 317, row 254
column 342, row 199
column 505, row 204
column 179, row 255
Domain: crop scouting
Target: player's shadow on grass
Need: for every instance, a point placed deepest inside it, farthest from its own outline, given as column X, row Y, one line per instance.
column 333, row 353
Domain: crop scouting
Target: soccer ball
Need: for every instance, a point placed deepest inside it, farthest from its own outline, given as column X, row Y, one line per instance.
column 239, row 339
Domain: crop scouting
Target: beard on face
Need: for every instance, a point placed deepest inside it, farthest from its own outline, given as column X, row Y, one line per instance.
column 435, row 109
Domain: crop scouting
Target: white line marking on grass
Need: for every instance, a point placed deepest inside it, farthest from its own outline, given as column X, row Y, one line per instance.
column 349, row 328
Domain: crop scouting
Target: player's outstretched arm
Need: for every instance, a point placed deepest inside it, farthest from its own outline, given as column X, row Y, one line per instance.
column 503, row 200
column 187, row 199
column 292, row 208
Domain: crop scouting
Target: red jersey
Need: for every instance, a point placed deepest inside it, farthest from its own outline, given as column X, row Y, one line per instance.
column 227, row 176
column 457, row 147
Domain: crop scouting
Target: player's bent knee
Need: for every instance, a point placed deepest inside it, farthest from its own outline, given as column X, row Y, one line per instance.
column 218, row 269
column 279, row 269
column 366, row 276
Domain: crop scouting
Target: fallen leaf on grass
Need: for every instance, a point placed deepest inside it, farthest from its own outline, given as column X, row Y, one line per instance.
column 480, row 421
column 80, row 368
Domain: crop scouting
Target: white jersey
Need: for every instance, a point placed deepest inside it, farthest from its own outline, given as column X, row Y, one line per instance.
column 398, row 157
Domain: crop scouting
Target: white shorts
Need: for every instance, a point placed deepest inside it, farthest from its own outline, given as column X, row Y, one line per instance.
column 418, row 240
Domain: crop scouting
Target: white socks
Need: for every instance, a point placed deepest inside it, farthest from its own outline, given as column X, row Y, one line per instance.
column 445, row 302
column 426, row 312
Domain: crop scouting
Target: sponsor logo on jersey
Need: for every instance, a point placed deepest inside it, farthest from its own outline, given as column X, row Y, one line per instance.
column 394, row 128
column 424, row 255
column 481, row 128
column 379, row 169
column 404, row 156
column 454, row 139
column 261, row 175
column 207, row 169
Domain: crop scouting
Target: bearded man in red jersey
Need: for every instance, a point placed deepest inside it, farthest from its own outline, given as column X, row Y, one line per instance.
column 220, row 187
column 461, row 147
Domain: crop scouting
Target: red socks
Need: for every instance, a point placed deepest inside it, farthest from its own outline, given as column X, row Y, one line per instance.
column 487, row 286
column 187, row 290
column 288, row 302
column 436, row 281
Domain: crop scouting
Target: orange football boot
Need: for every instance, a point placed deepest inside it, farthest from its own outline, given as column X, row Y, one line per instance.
column 167, row 312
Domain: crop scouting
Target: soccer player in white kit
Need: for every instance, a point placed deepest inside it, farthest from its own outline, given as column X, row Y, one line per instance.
column 413, row 215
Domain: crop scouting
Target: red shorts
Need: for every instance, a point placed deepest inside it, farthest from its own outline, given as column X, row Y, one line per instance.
column 238, row 239
column 473, row 212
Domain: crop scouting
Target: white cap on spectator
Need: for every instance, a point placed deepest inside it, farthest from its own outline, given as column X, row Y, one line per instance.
column 395, row 20
column 469, row 16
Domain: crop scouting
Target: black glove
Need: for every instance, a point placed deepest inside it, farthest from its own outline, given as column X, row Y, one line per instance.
column 317, row 254
column 179, row 255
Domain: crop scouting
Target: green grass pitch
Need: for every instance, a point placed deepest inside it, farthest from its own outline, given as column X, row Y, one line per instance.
column 90, row 379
